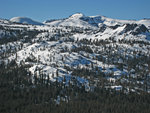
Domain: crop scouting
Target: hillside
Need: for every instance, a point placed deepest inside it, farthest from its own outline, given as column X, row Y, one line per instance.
column 75, row 61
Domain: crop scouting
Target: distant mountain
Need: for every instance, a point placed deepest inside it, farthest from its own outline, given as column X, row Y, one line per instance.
column 80, row 20
column 79, row 59
column 65, row 48
column 73, row 20
column 25, row 20
column 53, row 42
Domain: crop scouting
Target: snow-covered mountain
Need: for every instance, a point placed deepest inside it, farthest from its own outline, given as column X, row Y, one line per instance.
column 73, row 20
column 87, row 48
column 25, row 20
column 80, row 20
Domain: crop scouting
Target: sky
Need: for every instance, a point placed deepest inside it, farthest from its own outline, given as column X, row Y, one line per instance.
column 42, row 10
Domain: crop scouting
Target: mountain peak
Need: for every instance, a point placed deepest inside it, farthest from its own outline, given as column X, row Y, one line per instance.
column 25, row 20
column 77, row 15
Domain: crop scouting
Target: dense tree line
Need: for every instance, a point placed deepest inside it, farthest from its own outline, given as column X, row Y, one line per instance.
column 18, row 94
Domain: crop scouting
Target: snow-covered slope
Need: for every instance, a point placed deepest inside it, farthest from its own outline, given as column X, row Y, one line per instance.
column 109, row 48
column 25, row 20
column 112, row 22
column 146, row 22
column 73, row 20
column 80, row 20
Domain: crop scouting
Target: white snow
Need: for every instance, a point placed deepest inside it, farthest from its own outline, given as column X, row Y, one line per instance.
column 25, row 20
